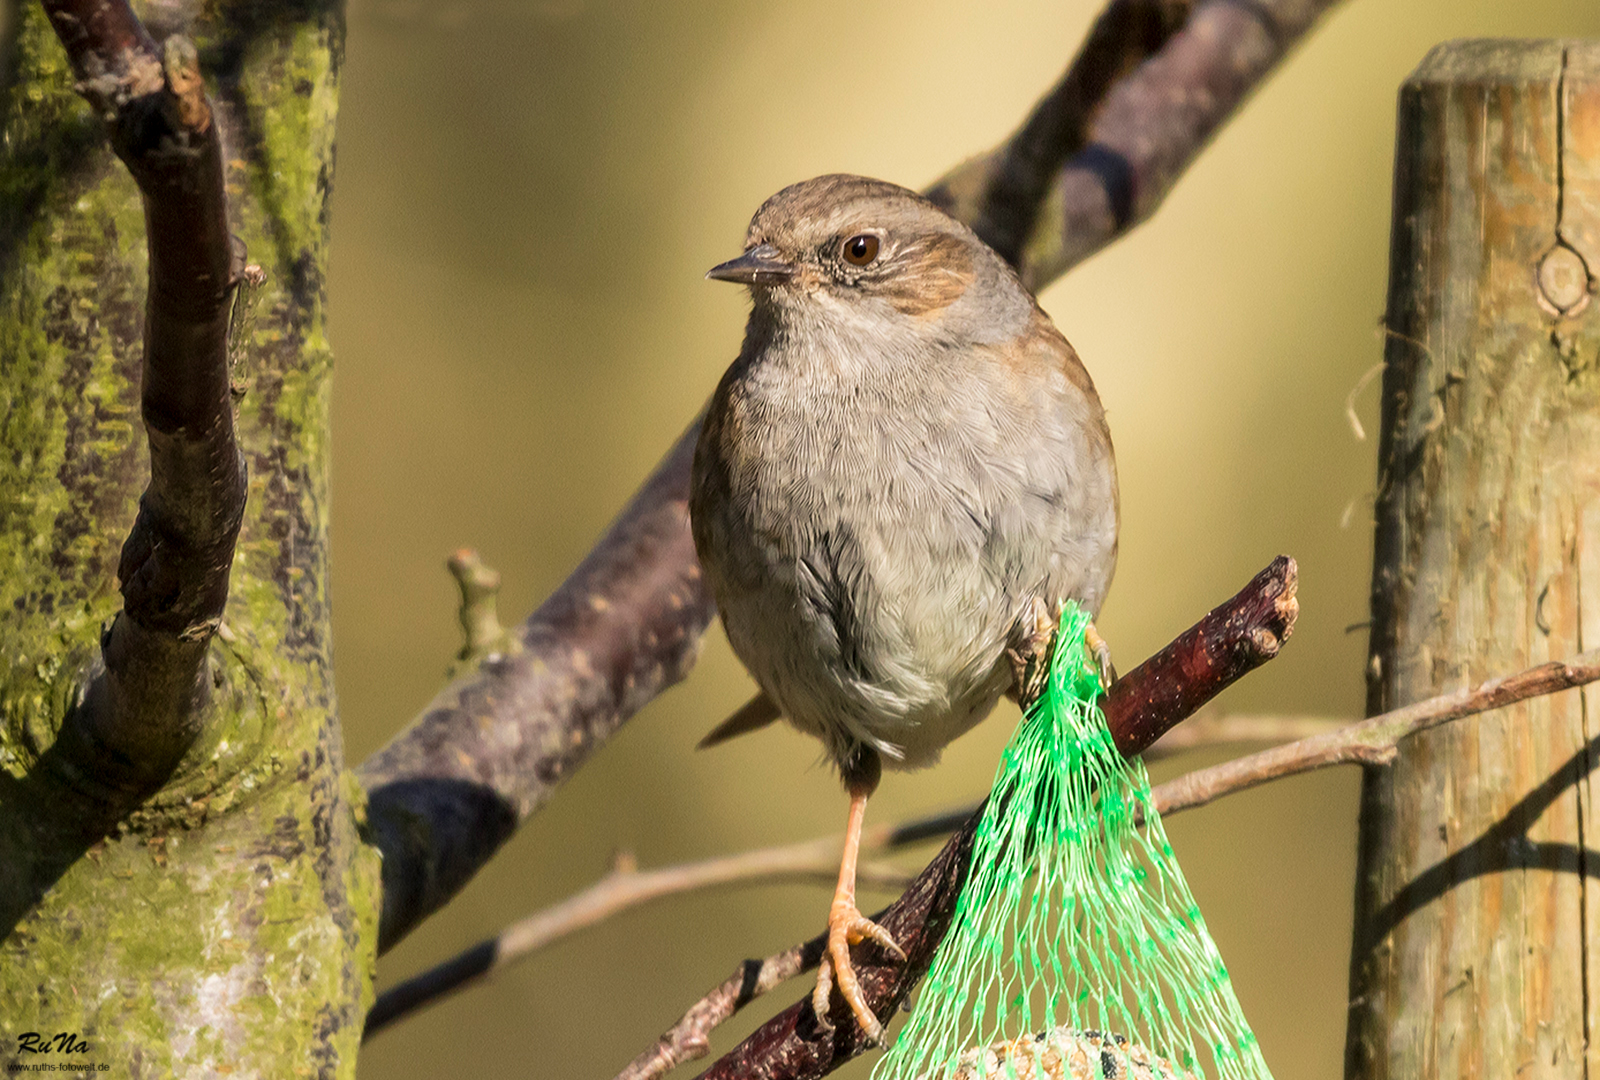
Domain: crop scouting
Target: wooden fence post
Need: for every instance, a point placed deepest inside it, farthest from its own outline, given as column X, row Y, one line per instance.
column 1475, row 910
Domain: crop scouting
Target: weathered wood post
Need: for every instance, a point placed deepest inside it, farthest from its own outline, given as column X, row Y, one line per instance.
column 1475, row 911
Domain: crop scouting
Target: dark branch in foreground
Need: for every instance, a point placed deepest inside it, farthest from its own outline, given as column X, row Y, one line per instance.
column 1095, row 168
column 1233, row 639
column 149, row 704
column 1368, row 742
column 1251, row 626
column 493, row 746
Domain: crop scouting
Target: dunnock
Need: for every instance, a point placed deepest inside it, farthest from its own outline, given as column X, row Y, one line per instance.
column 905, row 467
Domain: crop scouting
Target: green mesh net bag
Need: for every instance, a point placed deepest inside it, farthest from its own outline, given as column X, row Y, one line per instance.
column 1076, row 949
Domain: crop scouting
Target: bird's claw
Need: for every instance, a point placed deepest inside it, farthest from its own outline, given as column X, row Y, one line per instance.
column 847, row 927
column 1102, row 656
column 1030, row 659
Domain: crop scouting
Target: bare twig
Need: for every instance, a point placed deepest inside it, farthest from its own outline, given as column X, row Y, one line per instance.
column 1223, row 730
column 479, row 583
column 1210, row 655
column 1374, row 741
column 148, row 705
column 690, row 1037
column 489, row 750
column 627, row 887
column 1350, row 400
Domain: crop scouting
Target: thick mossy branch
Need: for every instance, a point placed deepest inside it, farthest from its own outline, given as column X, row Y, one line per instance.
column 145, row 710
column 235, row 906
column 488, row 751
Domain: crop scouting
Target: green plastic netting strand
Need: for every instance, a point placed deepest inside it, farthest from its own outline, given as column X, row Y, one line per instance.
column 1075, row 927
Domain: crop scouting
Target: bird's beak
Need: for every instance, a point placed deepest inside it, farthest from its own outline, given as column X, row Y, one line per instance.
column 761, row 265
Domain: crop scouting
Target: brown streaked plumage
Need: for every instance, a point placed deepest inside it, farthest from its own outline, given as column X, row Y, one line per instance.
column 904, row 465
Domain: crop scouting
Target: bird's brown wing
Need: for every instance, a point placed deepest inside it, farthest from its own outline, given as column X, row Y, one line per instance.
column 756, row 713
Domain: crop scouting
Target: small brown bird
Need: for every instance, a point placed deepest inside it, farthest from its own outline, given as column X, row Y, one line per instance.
column 906, row 464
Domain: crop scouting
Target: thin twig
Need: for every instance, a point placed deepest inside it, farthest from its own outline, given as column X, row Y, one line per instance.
column 627, row 887
column 149, row 704
column 1224, row 730
column 1374, row 741
column 690, row 1037
column 1238, row 635
column 1350, row 400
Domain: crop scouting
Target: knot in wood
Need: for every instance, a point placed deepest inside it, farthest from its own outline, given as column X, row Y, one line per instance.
column 1563, row 280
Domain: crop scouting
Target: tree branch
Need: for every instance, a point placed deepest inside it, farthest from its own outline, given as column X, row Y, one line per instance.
column 1221, row 730
column 1374, row 741
column 1087, row 167
column 1370, row 742
column 148, row 705
column 490, row 749
column 627, row 887
column 1232, row 639
column 1019, row 173
column 493, row 746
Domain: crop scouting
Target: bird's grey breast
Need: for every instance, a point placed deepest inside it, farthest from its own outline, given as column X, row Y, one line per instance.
column 875, row 530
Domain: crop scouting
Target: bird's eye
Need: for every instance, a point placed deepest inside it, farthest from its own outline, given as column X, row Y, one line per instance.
column 860, row 250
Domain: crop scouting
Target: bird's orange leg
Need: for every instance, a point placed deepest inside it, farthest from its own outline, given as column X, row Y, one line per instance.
column 847, row 926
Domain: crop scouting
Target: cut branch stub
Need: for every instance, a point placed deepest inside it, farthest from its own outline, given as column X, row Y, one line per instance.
column 1232, row 639
column 481, row 632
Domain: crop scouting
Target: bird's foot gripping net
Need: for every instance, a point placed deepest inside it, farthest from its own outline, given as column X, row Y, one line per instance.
column 1075, row 938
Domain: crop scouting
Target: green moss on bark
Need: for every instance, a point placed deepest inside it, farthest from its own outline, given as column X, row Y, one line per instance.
column 230, row 919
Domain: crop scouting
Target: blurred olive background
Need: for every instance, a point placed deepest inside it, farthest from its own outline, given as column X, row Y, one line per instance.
column 528, row 195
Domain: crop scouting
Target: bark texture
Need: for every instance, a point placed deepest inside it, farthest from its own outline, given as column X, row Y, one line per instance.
column 222, row 919
column 1474, row 903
